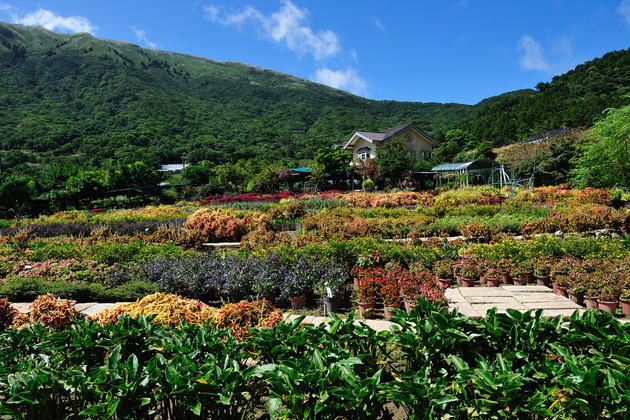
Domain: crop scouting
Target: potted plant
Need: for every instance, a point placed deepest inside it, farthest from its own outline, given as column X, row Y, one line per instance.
column 608, row 299
column 493, row 277
column 389, row 292
column 518, row 273
column 443, row 270
column 469, row 271
column 542, row 270
column 368, row 292
column 528, row 266
column 561, row 284
column 332, row 285
column 624, row 301
column 299, row 279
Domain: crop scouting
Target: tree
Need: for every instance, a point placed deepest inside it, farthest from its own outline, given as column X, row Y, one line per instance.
column 367, row 169
column 199, row 174
column 394, row 160
column 333, row 160
column 605, row 158
column 15, row 191
column 485, row 151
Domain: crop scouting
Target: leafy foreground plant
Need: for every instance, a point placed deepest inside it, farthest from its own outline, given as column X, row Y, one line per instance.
column 430, row 363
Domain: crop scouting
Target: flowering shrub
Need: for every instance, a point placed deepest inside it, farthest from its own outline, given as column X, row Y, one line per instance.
column 371, row 280
column 389, row 288
column 367, row 259
column 72, row 270
column 543, row 265
column 302, row 276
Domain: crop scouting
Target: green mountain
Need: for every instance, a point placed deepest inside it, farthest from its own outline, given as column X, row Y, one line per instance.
column 574, row 99
column 75, row 94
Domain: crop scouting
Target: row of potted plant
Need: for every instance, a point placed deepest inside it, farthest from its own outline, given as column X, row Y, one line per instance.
column 590, row 281
column 393, row 284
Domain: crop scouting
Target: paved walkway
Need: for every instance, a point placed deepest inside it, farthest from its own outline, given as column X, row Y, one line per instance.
column 473, row 302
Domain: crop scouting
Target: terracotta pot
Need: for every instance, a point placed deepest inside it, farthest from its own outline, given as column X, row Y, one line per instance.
column 298, row 302
column 506, row 278
column 625, row 306
column 444, row 282
column 530, row 278
column 493, row 281
column 466, row 282
column 608, row 306
column 366, row 309
column 543, row 281
column 577, row 298
column 357, row 282
column 591, row 302
column 561, row 291
column 482, row 279
column 388, row 306
column 521, row 281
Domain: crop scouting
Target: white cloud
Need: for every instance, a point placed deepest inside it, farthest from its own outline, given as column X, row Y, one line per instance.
column 286, row 26
column 624, row 11
column 342, row 79
column 142, row 37
column 379, row 25
column 563, row 46
column 532, row 56
column 52, row 22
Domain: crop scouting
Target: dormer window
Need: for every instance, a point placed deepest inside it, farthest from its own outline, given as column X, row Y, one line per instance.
column 364, row 153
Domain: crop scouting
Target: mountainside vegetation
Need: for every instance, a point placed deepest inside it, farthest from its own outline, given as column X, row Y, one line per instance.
column 80, row 115
column 574, row 99
column 74, row 94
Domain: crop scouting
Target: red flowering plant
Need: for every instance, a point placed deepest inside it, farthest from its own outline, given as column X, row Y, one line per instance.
column 389, row 289
column 370, row 283
column 368, row 259
column 423, row 285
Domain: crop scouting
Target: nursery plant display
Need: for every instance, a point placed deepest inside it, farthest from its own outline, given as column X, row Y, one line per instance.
column 432, row 364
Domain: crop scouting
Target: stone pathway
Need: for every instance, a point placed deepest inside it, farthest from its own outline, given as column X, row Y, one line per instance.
column 474, row 302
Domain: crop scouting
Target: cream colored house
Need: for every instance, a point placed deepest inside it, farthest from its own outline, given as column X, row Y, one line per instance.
column 365, row 144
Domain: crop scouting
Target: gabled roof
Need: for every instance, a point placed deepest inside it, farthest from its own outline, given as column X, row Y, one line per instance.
column 380, row 136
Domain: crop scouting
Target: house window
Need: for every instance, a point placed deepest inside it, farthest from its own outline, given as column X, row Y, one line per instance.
column 364, row 153
column 427, row 156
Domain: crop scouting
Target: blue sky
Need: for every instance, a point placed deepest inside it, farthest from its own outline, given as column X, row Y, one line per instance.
column 423, row 51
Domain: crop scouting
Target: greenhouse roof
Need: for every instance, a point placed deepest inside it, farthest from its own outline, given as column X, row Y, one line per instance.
column 474, row 164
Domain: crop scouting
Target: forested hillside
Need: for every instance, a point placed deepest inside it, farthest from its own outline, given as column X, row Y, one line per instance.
column 574, row 99
column 74, row 94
